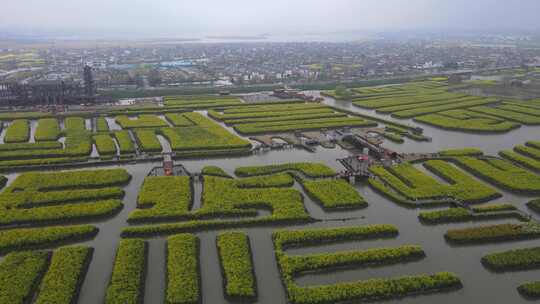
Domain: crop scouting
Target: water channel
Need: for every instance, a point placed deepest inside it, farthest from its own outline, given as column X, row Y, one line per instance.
column 480, row 285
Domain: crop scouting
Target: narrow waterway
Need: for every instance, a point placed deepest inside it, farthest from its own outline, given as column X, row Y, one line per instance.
column 480, row 285
column 444, row 139
column 33, row 127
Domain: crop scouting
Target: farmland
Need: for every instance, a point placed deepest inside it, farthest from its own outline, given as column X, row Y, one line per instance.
column 45, row 141
column 467, row 121
column 493, row 233
column 278, row 118
column 258, row 209
column 413, row 184
column 141, row 121
column 203, row 135
column 292, row 266
column 223, row 197
column 17, row 132
column 334, row 194
column 199, row 103
column 237, row 265
column 502, row 173
column 435, row 104
column 526, row 155
column 527, row 258
column 48, row 129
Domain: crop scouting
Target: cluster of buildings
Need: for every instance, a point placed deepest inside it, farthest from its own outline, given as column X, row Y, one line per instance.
column 227, row 64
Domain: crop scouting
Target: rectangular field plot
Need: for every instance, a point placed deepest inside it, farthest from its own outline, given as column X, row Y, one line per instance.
column 530, row 289
column 418, row 99
column 457, row 111
column 183, row 275
column 493, row 233
column 18, row 131
column 433, row 102
column 35, row 274
column 77, row 144
column 104, row 144
column 163, row 197
column 291, row 266
column 45, row 237
column 201, row 102
column 141, row 121
column 334, row 194
column 532, row 104
column 468, row 121
column 522, row 159
column 263, row 196
column 236, row 262
column 518, row 259
column 179, row 120
column 477, row 213
column 202, row 134
column 286, row 117
column 48, row 129
column 438, row 108
column 222, row 198
column 313, row 170
column 19, row 273
column 411, row 184
column 192, row 133
column 511, row 115
column 395, row 91
column 519, row 109
column 305, row 124
column 125, row 144
column 147, row 140
column 527, row 155
column 261, row 111
column 502, row 173
column 40, row 199
column 102, row 125
column 62, row 282
column 128, row 275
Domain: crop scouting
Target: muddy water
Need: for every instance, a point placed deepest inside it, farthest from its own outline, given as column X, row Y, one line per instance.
column 480, row 285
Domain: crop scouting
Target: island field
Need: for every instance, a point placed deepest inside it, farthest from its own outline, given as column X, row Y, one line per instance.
column 413, row 193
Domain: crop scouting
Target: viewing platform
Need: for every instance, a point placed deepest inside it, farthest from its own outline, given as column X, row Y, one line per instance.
column 168, row 168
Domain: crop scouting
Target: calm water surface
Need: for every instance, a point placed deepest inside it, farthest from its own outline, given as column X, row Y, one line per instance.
column 480, row 285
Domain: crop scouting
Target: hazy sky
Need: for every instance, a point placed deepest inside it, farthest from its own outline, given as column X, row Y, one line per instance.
column 248, row 17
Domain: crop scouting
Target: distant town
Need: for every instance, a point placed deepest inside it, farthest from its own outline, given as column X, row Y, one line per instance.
column 133, row 65
column 269, row 152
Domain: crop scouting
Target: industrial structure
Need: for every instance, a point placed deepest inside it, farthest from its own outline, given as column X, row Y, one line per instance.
column 58, row 92
column 372, row 154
